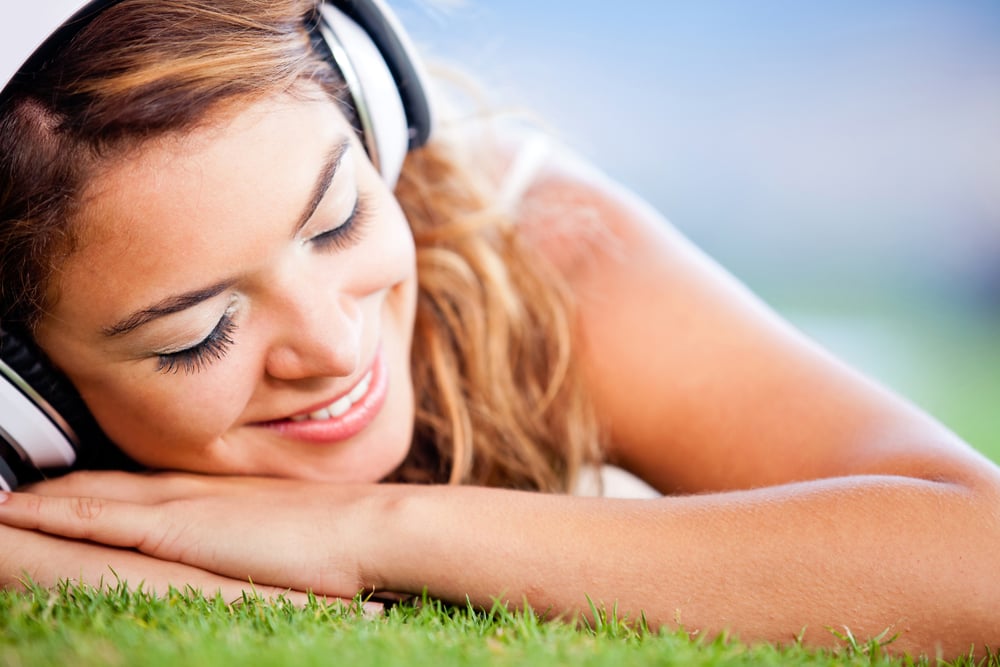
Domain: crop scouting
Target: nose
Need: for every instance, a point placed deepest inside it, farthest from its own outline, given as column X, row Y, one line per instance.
column 317, row 335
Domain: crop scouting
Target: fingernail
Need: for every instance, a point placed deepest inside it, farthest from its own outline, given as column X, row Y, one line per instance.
column 4, row 496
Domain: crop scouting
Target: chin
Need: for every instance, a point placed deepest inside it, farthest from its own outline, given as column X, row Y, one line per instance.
column 367, row 460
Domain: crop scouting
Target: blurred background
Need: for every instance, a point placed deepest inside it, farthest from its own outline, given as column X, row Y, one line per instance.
column 843, row 159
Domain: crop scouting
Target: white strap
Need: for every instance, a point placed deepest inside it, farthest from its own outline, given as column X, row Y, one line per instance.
column 531, row 155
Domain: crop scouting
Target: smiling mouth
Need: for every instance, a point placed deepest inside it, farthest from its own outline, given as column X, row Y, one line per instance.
column 340, row 406
column 343, row 417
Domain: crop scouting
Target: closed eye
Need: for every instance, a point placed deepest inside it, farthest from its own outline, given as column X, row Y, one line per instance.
column 349, row 232
column 201, row 355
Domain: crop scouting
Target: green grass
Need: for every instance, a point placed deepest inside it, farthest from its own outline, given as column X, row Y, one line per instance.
column 120, row 626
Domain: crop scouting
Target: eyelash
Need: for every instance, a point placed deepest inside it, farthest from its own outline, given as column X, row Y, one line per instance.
column 198, row 356
column 347, row 233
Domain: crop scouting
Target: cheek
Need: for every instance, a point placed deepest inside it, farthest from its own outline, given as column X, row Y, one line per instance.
column 389, row 257
column 161, row 420
column 402, row 296
column 393, row 238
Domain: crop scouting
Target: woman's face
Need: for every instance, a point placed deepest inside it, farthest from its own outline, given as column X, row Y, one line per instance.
column 242, row 299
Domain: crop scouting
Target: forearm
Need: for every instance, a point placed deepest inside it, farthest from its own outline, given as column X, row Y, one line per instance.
column 868, row 553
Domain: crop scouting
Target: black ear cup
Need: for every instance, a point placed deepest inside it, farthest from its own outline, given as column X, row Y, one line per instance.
column 53, row 397
column 15, row 470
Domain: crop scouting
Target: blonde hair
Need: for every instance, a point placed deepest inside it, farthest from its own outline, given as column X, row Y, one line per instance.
column 499, row 400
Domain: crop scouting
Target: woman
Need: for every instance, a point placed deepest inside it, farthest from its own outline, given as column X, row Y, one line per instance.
column 238, row 295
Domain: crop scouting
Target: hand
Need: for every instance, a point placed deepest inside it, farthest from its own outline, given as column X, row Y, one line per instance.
column 29, row 557
column 276, row 533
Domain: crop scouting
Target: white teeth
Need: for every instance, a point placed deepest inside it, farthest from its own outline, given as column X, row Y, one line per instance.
column 341, row 405
column 361, row 389
column 322, row 413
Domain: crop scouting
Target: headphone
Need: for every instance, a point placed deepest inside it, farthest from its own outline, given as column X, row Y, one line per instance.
column 45, row 428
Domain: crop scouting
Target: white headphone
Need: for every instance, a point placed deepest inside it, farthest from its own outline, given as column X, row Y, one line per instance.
column 43, row 423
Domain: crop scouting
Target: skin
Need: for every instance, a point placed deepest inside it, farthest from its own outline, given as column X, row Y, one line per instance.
column 801, row 496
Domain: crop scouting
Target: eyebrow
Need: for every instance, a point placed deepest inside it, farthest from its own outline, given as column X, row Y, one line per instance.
column 179, row 302
column 330, row 167
column 172, row 304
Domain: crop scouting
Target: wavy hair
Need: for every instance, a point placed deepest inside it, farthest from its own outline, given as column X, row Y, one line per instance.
column 499, row 401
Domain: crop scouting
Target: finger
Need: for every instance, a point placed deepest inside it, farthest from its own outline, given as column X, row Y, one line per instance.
column 150, row 488
column 143, row 487
column 107, row 522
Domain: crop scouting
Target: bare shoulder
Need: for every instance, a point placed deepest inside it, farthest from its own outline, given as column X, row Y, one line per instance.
column 700, row 384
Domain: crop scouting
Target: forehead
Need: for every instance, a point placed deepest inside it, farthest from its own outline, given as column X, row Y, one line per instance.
column 188, row 169
column 178, row 210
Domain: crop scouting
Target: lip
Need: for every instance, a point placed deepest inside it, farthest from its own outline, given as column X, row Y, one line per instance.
column 347, row 425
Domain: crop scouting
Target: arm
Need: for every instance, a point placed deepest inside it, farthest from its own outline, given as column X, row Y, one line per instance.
column 700, row 385
column 870, row 554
